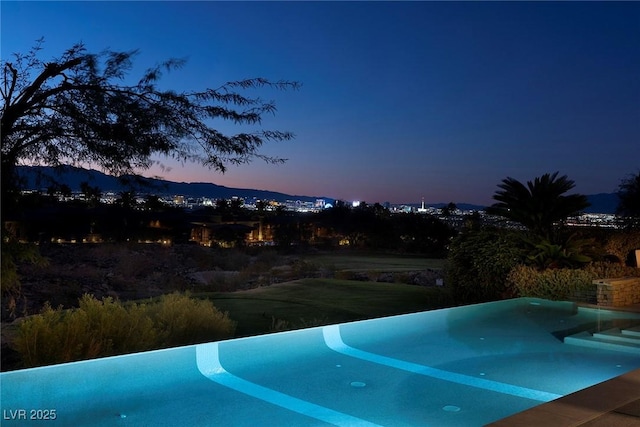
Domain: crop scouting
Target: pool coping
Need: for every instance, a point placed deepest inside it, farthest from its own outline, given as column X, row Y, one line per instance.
column 612, row 403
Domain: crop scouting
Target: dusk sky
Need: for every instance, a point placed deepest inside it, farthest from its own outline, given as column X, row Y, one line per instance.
column 399, row 100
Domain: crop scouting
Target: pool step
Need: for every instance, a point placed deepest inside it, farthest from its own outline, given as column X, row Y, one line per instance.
column 626, row 340
column 635, row 331
column 615, row 334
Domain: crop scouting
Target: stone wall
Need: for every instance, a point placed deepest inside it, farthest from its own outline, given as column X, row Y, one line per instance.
column 618, row 292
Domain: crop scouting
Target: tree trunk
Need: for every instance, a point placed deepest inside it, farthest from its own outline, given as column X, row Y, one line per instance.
column 9, row 188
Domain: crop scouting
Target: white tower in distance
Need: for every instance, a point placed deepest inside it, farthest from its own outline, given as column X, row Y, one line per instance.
column 422, row 209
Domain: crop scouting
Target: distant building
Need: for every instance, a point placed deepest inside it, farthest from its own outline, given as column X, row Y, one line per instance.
column 422, row 209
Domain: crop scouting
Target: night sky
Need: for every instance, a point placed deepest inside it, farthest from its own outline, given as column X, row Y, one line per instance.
column 400, row 100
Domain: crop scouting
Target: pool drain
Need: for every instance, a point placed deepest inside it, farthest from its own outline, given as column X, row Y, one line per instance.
column 451, row 408
column 357, row 384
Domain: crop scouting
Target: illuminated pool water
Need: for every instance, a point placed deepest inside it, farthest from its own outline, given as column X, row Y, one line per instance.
column 460, row 366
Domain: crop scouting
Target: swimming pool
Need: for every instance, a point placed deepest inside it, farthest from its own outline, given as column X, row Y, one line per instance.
column 467, row 366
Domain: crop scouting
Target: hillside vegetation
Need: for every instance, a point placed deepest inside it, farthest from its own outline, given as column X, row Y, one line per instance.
column 248, row 292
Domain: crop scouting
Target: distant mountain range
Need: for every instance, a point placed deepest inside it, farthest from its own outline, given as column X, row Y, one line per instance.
column 41, row 177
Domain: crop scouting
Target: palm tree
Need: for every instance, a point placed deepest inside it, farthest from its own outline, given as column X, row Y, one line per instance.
column 540, row 204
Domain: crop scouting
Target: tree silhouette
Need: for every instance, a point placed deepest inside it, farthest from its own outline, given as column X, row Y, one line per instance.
column 449, row 209
column 127, row 200
column 78, row 109
column 153, row 203
column 629, row 199
column 91, row 194
column 540, row 204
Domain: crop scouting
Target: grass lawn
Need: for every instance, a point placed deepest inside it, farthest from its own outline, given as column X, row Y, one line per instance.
column 313, row 302
column 379, row 262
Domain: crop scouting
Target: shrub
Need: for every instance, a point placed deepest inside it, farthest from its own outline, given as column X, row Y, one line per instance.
column 402, row 277
column 12, row 254
column 184, row 320
column 96, row 328
column 564, row 283
column 553, row 284
column 106, row 327
column 479, row 262
column 622, row 245
column 603, row 270
column 302, row 268
column 572, row 252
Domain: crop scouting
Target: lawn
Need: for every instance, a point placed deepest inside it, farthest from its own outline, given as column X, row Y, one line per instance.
column 377, row 262
column 313, row 302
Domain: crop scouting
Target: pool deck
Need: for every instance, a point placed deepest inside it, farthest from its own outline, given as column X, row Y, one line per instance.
column 613, row 403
